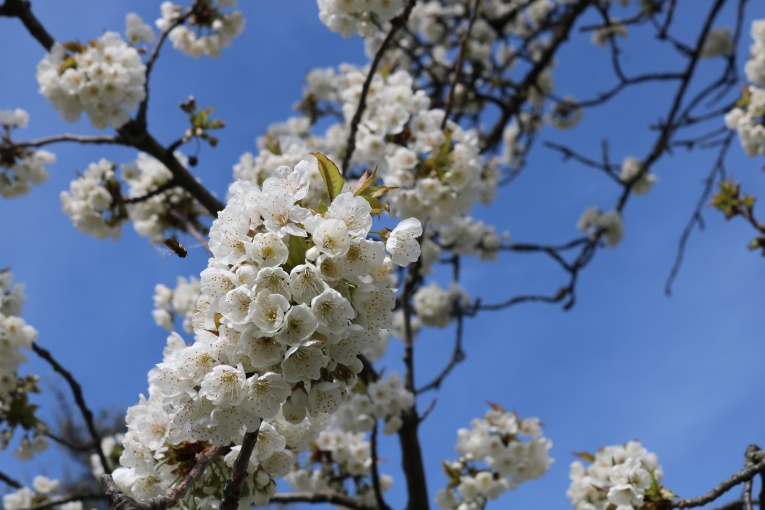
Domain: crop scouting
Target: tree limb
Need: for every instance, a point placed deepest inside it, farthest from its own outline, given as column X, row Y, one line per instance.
column 317, row 497
column 458, row 65
column 10, row 481
column 121, row 501
column 742, row 476
column 22, row 9
column 68, row 499
column 396, row 24
column 79, row 398
column 232, row 492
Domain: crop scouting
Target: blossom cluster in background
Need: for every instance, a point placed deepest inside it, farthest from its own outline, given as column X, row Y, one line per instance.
column 493, row 459
column 20, row 167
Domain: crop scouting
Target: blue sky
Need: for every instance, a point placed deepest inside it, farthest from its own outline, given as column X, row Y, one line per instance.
column 681, row 374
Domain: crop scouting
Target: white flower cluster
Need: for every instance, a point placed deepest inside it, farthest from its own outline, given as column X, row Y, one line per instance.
column 20, row 167
column 632, row 168
column 349, row 454
column 90, row 198
column 493, row 459
column 289, row 299
column 167, row 210
column 436, row 306
column 610, row 224
column 357, row 16
column 439, row 174
column 105, row 79
column 170, row 304
column 44, row 490
column 718, row 43
column 96, row 205
column 15, row 334
column 619, row 478
column 747, row 117
column 136, row 31
column 384, row 400
column 219, row 28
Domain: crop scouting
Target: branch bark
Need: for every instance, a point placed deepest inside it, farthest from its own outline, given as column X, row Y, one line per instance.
column 121, row 501
column 232, row 492
column 396, row 24
column 79, row 399
column 317, row 497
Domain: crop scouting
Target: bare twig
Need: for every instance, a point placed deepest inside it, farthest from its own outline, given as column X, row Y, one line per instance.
column 381, row 505
column 742, row 476
column 153, row 193
column 79, row 399
column 68, row 499
column 121, row 501
column 396, row 24
column 67, row 137
column 10, row 481
column 232, row 492
column 718, row 169
column 458, row 356
column 22, row 9
column 458, row 64
column 318, row 497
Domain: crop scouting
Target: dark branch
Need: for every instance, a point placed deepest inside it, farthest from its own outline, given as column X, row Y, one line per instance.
column 381, row 505
column 317, row 497
column 153, row 193
column 396, row 24
column 10, row 481
column 79, row 399
column 742, row 476
column 121, row 501
column 232, row 492
column 22, row 9
column 458, row 65
column 66, row 137
column 68, row 499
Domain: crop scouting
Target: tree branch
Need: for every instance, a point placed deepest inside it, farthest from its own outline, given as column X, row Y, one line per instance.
column 458, row 65
column 381, row 505
column 68, row 499
column 742, row 476
column 232, row 492
column 396, row 24
column 10, row 481
column 22, row 9
column 67, row 137
column 87, row 415
column 121, row 501
column 317, row 497
column 153, row 193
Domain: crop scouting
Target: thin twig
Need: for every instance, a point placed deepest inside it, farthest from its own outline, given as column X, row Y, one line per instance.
column 79, row 398
column 458, row 65
column 396, row 24
column 10, row 481
column 22, row 9
column 318, row 497
column 153, row 193
column 232, row 492
column 68, row 499
column 121, row 501
column 376, row 472
column 67, row 137
column 738, row 478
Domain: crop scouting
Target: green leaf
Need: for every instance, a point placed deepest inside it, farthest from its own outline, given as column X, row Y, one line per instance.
column 321, row 208
column 333, row 179
column 364, row 182
column 297, row 247
column 584, row 456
